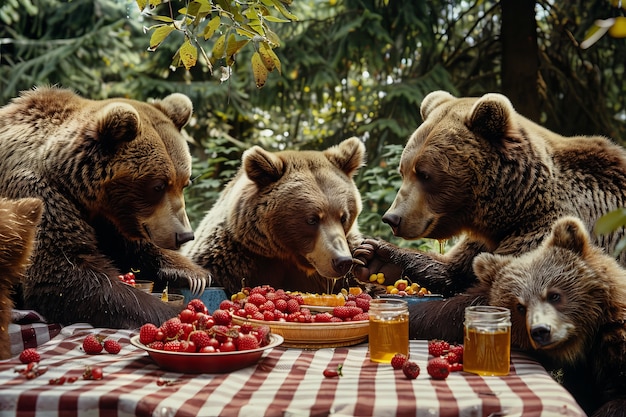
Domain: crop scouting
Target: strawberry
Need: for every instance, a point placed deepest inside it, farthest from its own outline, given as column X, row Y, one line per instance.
column 222, row 317
column 29, row 355
column 452, row 358
column 281, row 304
column 200, row 339
column 172, row 328
column 438, row 347
column 342, row 312
column 112, row 346
column 458, row 350
column 257, row 299
column 331, row 373
column 246, row 342
column 92, row 345
column 438, row 368
column 411, row 369
column 198, row 306
column 292, row 306
column 322, row 317
column 147, row 333
column 398, row 360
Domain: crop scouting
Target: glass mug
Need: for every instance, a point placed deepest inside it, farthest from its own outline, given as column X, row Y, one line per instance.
column 388, row 329
column 487, row 340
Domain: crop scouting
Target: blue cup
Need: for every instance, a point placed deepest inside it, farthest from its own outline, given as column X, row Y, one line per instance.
column 211, row 297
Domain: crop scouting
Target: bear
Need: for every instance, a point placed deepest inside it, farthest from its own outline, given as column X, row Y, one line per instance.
column 111, row 175
column 567, row 300
column 287, row 219
column 19, row 220
column 478, row 171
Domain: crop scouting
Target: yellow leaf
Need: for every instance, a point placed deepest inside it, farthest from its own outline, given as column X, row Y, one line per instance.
column 283, row 10
column 259, row 70
column 218, row 48
column 159, row 35
column 211, row 27
column 270, row 60
column 154, row 3
column 618, row 30
column 234, row 45
column 188, row 54
column 142, row 4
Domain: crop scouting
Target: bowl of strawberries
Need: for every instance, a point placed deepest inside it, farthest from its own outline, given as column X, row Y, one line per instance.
column 198, row 342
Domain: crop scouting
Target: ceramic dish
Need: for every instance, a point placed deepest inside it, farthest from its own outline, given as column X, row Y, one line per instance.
column 315, row 335
column 413, row 299
column 206, row 363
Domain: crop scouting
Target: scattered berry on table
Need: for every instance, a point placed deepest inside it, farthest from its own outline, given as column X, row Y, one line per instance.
column 458, row 351
column 93, row 372
column 92, row 345
column 410, row 369
column 112, row 346
column 333, row 372
column 29, row 355
column 438, row 368
column 398, row 360
column 437, row 347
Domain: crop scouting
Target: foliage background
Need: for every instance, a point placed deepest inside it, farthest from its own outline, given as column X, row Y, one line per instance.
column 349, row 67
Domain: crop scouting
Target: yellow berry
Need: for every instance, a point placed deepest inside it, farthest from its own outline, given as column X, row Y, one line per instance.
column 373, row 277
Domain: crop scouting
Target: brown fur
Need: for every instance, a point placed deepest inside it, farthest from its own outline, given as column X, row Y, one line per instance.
column 478, row 170
column 288, row 219
column 568, row 304
column 111, row 175
column 18, row 225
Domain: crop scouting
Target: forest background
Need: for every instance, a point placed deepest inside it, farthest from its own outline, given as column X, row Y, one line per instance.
column 347, row 68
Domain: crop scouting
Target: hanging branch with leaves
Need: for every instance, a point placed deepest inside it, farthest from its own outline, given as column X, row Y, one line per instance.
column 234, row 24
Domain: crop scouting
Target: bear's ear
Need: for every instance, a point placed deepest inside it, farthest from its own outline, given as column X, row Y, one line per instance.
column 490, row 118
column 569, row 233
column 117, row 122
column 348, row 156
column 433, row 100
column 177, row 107
column 487, row 267
column 262, row 167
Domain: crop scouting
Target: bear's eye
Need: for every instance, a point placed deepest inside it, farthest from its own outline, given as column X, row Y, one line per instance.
column 521, row 309
column 159, row 187
column 312, row 220
column 422, row 175
column 554, row 297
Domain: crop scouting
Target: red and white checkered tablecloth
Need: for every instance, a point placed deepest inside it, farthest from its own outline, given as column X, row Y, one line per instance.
column 286, row 382
column 29, row 329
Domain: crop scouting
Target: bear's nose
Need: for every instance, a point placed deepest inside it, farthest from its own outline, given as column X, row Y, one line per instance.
column 541, row 334
column 392, row 220
column 342, row 264
column 183, row 237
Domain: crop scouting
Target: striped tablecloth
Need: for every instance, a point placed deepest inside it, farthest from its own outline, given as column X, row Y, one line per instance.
column 286, row 382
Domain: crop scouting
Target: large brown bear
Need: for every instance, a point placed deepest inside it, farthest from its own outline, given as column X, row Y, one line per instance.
column 18, row 225
column 477, row 169
column 568, row 303
column 111, row 175
column 287, row 219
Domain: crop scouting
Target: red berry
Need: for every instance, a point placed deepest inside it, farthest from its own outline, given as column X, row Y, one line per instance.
column 438, row 347
column 410, row 369
column 92, row 345
column 198, row 306
column 29, row 355
column 172, row 346
column 438, row 368
column 222, row 317
column 172, row 328
column 200, row 338
column 398, row 360
column 342, row 312
column 112, row 346
column 458, row 350
column 156, row 345
column 331, row 372
column 322, row 317
column 455, row 367
column 452, row 358
column 187, row 315
column 228, row 346
column 247, row 342
column 147, row 333
column 93, row 373
column 257, row 299
column 292, row 306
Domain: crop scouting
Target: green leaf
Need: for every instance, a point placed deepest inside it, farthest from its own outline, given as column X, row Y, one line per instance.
column 271, row 18
column 611, row 221
column 159, row 35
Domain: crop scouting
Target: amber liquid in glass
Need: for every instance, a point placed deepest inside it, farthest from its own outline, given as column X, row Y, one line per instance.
column 487, row 352
column 388, row 337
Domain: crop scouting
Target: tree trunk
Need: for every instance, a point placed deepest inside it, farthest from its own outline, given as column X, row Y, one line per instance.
column 520, row 59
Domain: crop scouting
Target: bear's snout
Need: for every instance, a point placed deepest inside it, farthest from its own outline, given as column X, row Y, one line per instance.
column 342, row 264
column 183, row 238
column 392, row 220
column 540, row 333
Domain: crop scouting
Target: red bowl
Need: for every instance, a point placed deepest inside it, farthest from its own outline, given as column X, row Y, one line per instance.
column 207, row 363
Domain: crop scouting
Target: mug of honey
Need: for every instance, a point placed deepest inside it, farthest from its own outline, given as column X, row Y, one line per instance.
column 487, row 340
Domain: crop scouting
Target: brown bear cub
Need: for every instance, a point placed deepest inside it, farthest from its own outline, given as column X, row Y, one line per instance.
column 111, row 175
column 18, row 225
column 478, row 170
column 568, row 303
column 287, row 219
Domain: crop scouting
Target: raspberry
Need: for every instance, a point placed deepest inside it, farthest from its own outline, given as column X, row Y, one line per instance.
column 438, row 347
column 247, row 342
column 438, row 368
column 200, row 339
column 281, row 304
column 455, row 367
column 262, row 334
column 267, row 306
column 246, row 328
column 363, row 303
column 227, row 305
column 198, row 306
column 222, row 317
column 268, row 315
column 257, row 299
column 342, row 312
column 172, row 328
column 410, row 369
column 250, row 309
column 29, row 355
column 91, row 345
column 322, row 318
column 361, row 317
column 112, row 346
column 452, row 358
column 398, row 360
column 147, row 333
column 292, row 306
column 157, row 345
column 458, row 350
